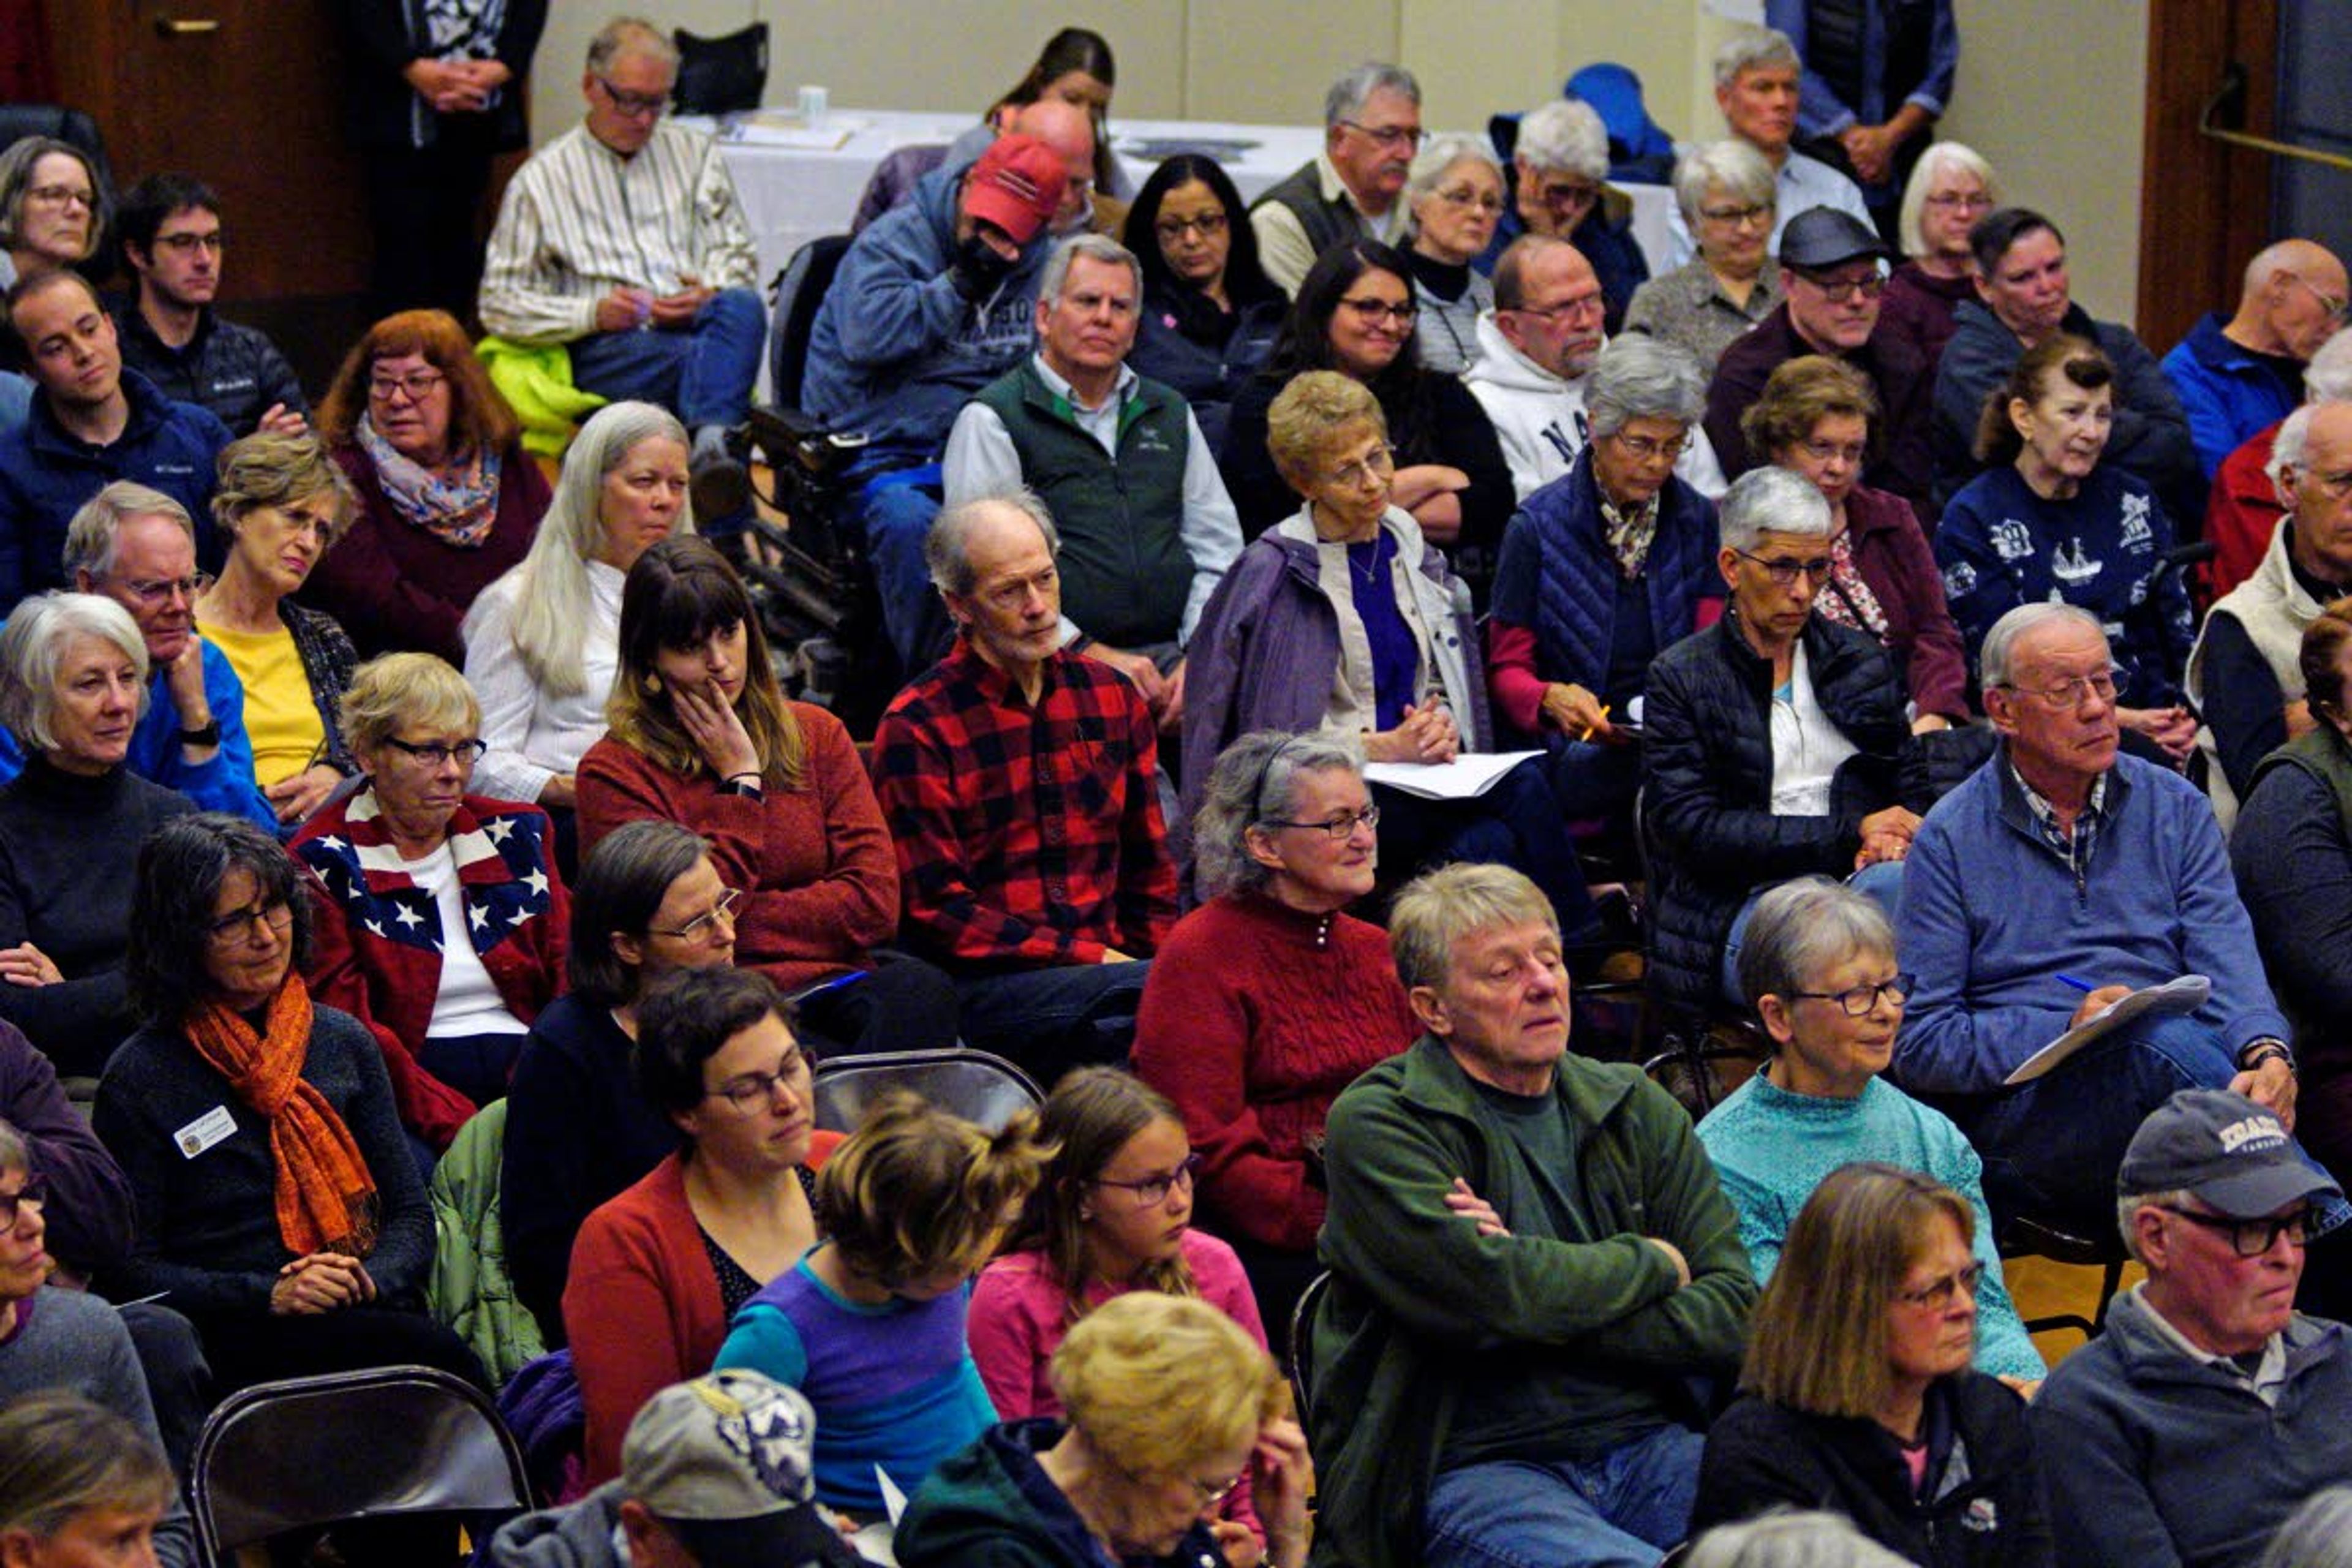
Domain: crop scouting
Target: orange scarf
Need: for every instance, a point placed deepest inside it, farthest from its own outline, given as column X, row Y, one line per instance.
column 326, row 1199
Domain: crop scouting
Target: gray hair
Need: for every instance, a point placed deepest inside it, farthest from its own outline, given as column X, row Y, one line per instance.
column 1350, row 93
column 551, row 602
column 1802, row 929
column 1255, row 780
column 1638, row 377
column 2001, row 643
column 1094, row 248
column 13, row 1154
column 1772, row 500
column 2127, row 1207
column 1753, row 48
column 1565, row 134
column 17, row 180
column 32, row 646
column 1434, row 911
column 1785, row 1540
column 2287, row 450
column 1735, row 166
column 630, row 35
column 97, row 528
column 947, row 549
column 1429, row 165
column 2316, row 1535
column 1941, row 158
column 2328, row 378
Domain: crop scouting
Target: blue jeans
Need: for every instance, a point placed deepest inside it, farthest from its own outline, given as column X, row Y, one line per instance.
column 895, row 512
column 703, row 375
column 1592, row 780
column 1881, row 882
column 2052, row 1147
column 1623, row 1509
column 1048, row 1021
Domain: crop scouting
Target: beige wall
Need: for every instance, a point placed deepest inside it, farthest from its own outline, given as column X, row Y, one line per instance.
column 2051, row 95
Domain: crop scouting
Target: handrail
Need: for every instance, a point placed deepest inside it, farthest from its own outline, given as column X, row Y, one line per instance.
column 2231, row 99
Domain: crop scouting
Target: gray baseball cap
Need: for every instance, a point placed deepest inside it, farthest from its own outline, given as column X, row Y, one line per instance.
column 2225, row 1150
column 726, row 1462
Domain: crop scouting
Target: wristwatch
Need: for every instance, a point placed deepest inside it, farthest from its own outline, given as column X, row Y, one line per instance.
column 208, row 736
column 2263, row 1050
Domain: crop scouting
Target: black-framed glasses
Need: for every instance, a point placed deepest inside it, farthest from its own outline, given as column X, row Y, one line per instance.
column 1563, row 195
column 2069, row 693
column 1783, row 569
column 1846, row 290
column 1858, row 1000
column 433, row 753
column 154, row 591
column 1208, row 226
column 1389, row 136
column 187, row 242
column 1938, row 1293
column 1154, row 1190
column 1755, row 213
column 1341, row 827
column 417, row 384
column 634, row 103
column 2251, row 1238
column 274, row 915
column 33, row 1190
column 1373, row 312
column 749, row 1093
column 705, row 924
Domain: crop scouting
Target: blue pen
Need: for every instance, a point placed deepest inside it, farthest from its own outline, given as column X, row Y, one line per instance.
column 2085, row 986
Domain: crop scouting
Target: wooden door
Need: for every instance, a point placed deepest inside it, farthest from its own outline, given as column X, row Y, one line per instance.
column 2205, row 205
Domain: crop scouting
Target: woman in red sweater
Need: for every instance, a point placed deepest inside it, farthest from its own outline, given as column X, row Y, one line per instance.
column 701, row 734
column 659, row 1271
column 1267, row 1001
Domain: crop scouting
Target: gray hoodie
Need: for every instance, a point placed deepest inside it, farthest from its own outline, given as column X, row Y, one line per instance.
column 586, row 1535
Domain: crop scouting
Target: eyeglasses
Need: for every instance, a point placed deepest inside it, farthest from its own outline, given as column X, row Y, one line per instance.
column 154, row 591
column 1214, row 1492
column 2252, row 1238
column 634, row 104
column 1965, row 201
column 1155, row 1189
column 61, row 196
column 1740, row 218
column 1566, row 194
column 1583, row 305
column 1844, row 291
column 433, row 754
column 269, row 917
column 189, row 243
column 1463, row 197
column 1848, row 452
column 1341, row 827
column 1938, row 1294
column 751, row 1092
column 1372, row 313
column 1648, row 449
column 419, row 384
column 1208, row 226
column 2336, row 306
column 1783, row 569
column 1391, row 137
column 707, row 923
column 1377, row 464
column 34, row 1191
column 1858, row 1000
column 2070, row 693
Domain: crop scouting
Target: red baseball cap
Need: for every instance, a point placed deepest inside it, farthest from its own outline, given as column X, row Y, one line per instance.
column 1017, row 185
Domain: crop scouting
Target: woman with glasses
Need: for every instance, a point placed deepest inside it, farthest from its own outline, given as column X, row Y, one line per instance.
column 281, row 505
column 1817, row 417
column 280, row 1208
column 1818, row 969
column 1111, row 1215
column 1858, row 1395
column 649, row 905
column 1269, row 998
column 1343, row 622
column 542, row 642
column 440, row 915
column 1355, row 314
column 1560, row 161
column 1169, row 1405
column 73, row 680
column 1950, row 187
column 1210, row 312
column 1726, row 191
column 448, row 500
column 1456, row 195
column 1601, row 571
column 2047, row 520
column 702, row 734
column 660, row 1269
column 54, row 207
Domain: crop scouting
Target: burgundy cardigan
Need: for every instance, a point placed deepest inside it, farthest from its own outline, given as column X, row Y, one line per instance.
column 1892, row 553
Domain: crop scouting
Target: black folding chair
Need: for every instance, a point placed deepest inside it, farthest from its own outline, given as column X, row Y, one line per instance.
column 985, row 1090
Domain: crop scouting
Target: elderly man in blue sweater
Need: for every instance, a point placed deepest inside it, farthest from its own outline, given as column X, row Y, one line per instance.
column 2061, row 866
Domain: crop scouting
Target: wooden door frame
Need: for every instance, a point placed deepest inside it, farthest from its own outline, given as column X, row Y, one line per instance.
column 2205, row 205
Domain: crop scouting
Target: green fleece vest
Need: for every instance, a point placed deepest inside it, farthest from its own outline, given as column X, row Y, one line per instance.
column 1125, row 572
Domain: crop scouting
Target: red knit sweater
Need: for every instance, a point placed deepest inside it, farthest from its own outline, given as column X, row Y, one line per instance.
column 1254, row 1019
column 820, row 879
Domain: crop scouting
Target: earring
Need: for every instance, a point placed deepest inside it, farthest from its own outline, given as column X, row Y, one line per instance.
column 652, row 683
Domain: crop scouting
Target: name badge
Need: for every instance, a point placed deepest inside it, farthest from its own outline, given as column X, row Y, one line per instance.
column 204, row 1132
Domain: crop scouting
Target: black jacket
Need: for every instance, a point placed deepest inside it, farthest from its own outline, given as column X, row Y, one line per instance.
column 1707, row 801
column 233, row 369
column 382, row 110
column 1985, row 1509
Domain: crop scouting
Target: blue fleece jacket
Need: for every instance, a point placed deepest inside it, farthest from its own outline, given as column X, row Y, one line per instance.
column 1992, row 916
column 896, row 350
column 2229, row 392
column 46, row 474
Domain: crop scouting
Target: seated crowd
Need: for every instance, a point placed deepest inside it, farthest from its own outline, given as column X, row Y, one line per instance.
column 1309, row 616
